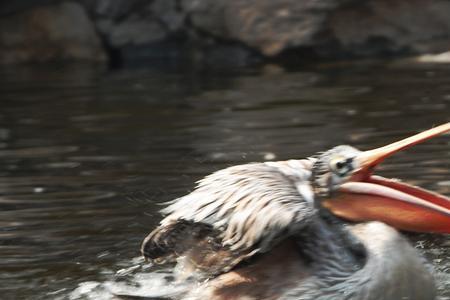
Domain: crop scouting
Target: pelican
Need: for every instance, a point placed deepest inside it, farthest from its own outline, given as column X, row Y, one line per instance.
column 323, row 227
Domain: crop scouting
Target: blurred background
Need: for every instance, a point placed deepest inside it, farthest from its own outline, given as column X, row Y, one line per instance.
column 218, row 32
column 111, row 107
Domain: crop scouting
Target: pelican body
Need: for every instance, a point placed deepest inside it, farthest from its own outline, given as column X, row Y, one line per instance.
column 317, row 228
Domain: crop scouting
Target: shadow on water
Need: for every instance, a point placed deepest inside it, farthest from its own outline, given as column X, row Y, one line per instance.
column 87, row 156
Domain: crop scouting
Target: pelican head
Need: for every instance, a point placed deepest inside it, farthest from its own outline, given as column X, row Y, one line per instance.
column 332, row 168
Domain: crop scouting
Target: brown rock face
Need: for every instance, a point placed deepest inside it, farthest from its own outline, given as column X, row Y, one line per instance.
column 331, row 27
column 274, row 26
column 269, row 26
column 50, row 33
column 387, row 26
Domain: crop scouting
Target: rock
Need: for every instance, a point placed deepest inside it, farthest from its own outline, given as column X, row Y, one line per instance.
column 168, row 13
column 112, row 9
column 380, row 27
column 12, row 7
column 50, row 33
column 269, row 26
column 207, row 16
column 124, row 23
column 137, row 30
column 328, row 27
column 274, row 26
column 134, row 31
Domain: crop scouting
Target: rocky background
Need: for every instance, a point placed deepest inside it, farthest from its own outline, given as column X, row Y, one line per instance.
column 236, row 32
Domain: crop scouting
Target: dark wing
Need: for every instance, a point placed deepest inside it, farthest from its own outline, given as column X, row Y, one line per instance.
column 235, row 212
column 199, row 244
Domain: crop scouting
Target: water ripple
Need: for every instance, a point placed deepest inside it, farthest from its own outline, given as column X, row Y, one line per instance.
column 87, row 157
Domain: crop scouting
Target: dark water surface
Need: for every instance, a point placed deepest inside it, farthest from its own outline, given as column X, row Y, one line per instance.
column 87, row 155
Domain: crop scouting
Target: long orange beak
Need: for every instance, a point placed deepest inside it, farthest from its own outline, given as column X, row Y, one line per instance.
column 366, row 197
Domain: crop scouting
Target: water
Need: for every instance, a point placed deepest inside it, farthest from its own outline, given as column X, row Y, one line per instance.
column 86, row 155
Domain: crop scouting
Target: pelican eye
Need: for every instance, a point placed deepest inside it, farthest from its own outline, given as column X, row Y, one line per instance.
column 341, row 165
